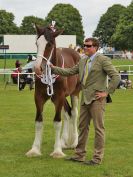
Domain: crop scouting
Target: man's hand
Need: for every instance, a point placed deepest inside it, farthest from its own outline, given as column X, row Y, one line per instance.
column 50, row 64
column 100, row 95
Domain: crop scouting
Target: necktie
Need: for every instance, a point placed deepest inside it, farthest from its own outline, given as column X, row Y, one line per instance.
column 86, row 71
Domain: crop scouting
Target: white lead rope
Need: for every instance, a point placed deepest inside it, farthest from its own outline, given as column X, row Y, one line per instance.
column 48, row 78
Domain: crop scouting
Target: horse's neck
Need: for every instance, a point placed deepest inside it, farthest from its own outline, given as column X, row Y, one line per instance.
column 59, row 57
column 53, row 59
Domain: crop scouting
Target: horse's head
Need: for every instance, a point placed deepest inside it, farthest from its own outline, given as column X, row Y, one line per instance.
column 45, row 42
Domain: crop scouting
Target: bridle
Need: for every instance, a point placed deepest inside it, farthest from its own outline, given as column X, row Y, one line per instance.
column 48, row 78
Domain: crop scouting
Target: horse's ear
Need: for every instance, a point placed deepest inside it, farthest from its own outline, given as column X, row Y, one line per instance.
column 39, row 30
column 57, row 33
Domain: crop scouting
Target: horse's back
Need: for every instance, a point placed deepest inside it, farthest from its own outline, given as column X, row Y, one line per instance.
column 67, row 55
column 69, row 58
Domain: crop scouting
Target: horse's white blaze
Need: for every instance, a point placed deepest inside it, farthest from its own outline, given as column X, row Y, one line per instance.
column 57, row 153
column 70, row 134
column 41, row 44
column 36, row 147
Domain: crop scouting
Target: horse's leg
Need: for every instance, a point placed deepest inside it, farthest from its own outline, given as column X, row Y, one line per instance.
column 36, row 147
column 70, row 134
column 57, row 153
column 73, row 132
column 65, row 131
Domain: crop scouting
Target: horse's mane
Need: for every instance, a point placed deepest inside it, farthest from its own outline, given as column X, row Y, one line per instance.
column 48, row 35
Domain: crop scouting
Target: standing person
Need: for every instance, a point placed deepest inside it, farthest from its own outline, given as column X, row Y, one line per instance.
column 93, row 72
column 17, row 64
column 21, row 77
column 29, row 58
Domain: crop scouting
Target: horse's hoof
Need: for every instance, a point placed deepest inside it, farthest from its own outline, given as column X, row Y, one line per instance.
column 33, row 153
column 69, row 145
column 63, row 145
column 74, row 145
column 57, row 154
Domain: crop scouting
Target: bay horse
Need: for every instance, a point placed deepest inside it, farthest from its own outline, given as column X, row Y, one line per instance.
column 62, row 87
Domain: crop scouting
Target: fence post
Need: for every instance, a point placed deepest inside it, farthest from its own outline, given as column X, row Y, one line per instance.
column 18, row 80
column 129, row 69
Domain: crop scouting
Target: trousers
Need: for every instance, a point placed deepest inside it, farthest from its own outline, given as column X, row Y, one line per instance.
column 94, row 111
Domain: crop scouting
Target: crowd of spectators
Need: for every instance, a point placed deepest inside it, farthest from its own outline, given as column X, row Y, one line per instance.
column 108, row 51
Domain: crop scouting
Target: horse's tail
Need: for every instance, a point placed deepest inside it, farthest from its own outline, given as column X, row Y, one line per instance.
column 67, row 107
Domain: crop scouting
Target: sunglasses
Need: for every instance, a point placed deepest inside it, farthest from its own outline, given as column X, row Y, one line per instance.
column 87, row 46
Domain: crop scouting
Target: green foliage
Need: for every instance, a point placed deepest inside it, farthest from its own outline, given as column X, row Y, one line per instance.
column 1, row 40
column 27, row 25
column 107, row 24
column 68, row 18
column 123, row 36
column 7, row 26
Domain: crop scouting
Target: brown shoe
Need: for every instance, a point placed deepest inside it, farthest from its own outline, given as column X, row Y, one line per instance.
column 91, row 163
column 74, row 159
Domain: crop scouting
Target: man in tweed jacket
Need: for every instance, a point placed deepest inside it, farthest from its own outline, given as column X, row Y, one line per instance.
column 94, row 93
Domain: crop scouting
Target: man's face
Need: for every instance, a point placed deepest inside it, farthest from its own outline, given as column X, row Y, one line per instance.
column 89, row 49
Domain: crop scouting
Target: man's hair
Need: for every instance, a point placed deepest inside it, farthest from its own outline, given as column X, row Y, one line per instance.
column 95, row 42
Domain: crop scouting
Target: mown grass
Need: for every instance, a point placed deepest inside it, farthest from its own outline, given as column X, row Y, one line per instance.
column 17, row 113
column 10, row 63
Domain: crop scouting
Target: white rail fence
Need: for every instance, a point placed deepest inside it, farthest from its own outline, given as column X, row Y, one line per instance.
column 129, row 68
column 3, row 72
column 18, row 75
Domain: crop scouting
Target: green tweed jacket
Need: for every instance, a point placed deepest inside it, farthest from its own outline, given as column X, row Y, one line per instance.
column 97, row 78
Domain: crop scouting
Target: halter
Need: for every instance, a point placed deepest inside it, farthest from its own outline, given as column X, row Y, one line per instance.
column 49, row 78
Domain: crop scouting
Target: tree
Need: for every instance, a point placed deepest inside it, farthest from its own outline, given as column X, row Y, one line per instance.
column 27, row 25
column 107, row 24
column 68, row 18
column 7, row 26
column 123, row 36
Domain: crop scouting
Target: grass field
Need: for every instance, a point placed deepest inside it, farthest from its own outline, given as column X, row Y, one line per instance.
column 17, row 131
column 10, row 63
column 17, row 112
